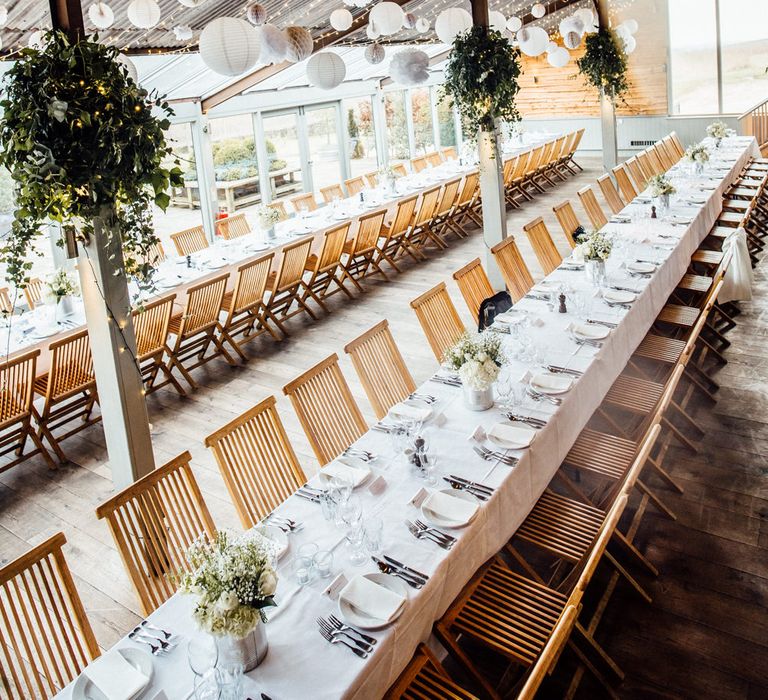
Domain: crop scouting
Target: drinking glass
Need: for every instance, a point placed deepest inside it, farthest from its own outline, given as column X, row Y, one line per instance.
column 303, row 570
column 328, row 503
column 207, row 686
column 374, row 534
column 202, row 653
column 308, row 550
column 229, row 678
column 503, row 387
column 323, row 563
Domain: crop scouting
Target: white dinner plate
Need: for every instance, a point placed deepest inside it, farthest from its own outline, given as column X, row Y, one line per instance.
column 643, row 268
column 510, row 317
column 586, row 331
column 511, row 437
column 548, row 285
column 411, row 410
column 433, row 518
column 354, row 617
column 618, row 296
column 84, row 689
column 40, row 333
column 553, row 384
column 352, row 463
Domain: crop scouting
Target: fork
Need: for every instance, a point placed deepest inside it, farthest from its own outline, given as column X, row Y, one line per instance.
column 360, row 454
column 164, row 645
column 426, row 398
column 285, row 524
column 329, row 637
column 538, row 396
column 328, row 627
column 489, row 455
column 339, row 625
column 423, row 534
column 148, row 624
column 528, row 420
column 154, row 650
column 439, row 533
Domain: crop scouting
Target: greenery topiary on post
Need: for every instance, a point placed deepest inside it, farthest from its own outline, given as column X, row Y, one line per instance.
column 604, row 65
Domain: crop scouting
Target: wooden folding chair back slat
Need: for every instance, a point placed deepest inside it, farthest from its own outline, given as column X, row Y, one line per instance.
column 292, row 264
column 203, row 305
column 418, row 164
column 677, row 144
column 474, row 285
column 399, row 169
column 448, row 197
column 33, row 292
column 153, row 523
column 150, row 323
column 190, row 240
column 439, row 319
column 403, row 216
column 468, row 188
column 279, row 207
column 449, row 153
column 304, row 202
column 627, row 188
column 156, row 254
column 372, row 178
column 45, row 638
column 250, row 284
column 543, row 245
column 610, row 193
column 257, row 462
column 646, row 164
column 354, row 185
column 333, row 245
column 425, row 679
column 368, row 231
column 381, row 368
column 6, row 307
column 654, row 156
column 513, row 269
column 594, row 211
column 71, row 369
column 665, row 157
column 558, row 149
column 326, row 409
column 232, row 227
column 433, row 159
column 636, row 172
column 568, row 220
column 426, row 209
column 331, row 192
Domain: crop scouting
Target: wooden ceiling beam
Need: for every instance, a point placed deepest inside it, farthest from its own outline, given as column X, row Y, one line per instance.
column 67, row 15
column 261, row 74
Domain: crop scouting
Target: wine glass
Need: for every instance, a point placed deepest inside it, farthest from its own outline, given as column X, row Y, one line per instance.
column 202, row 653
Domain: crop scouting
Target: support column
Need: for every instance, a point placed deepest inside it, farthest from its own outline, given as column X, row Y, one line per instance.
column 121, row 392
column 206, row 174
column 607, row 108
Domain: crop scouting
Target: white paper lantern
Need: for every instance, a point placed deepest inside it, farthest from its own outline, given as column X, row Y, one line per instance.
column 571, row 40
column 387, row 17
column 630, row 44
column 632, row 26
column 256, row 14
column 497, row 20
column 571, row 24
column 341, row 19
column 326, row 70
column 274, row 47
column 101, row 15
column 143, row 14
column 533, row 40
column 559, row 57
column 551, row 46
column 191, row 3
column 374, row 53
column 452, row 22
column 422, row 25
column 409, row 20
column 3, row 15
column 350, row 3
column 299, row 42
column 409, row 67
column 586, row 15
column 36, row 40
column 538, row 10
column 130, row 66
column 514, row 24
column 229, row 45
column 371, row 32
column 183, row 32
column 361, row 3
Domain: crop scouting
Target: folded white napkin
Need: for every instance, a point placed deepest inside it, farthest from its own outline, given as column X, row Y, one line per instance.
column 345, row 472
column 371, row 599
column 593, row 332
column 411, row 412
column 115, row 677
column 514, row 437
column 551, row 382
column 449, row 507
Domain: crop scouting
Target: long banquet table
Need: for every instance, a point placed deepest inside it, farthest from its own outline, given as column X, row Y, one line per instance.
column 300, row 663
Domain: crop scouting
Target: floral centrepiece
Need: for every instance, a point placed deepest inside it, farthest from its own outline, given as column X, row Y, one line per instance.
column 267, row 216
column 717, row 130
column 477, row 358
column 697, row 154
column 660, row 186
column 234, row 580
column 61, row 285
column 594, row 245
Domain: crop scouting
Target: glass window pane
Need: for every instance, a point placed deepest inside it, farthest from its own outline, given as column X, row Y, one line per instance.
column 362, row 137
column 235, row 162
column 423, row 133
column 744, row 38
column 324, row 147
column 445, row 120
column 282, row 137
column 693, row 50
column 397, row 126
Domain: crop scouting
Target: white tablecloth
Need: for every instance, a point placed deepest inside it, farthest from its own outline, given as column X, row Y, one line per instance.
column 300, row 664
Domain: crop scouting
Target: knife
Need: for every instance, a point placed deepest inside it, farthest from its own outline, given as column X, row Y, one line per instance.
column 473, row 484
column 408, row 569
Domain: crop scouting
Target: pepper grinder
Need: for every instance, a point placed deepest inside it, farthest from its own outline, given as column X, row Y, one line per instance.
column 189, row 261
column 653, row 212
column 562, row 309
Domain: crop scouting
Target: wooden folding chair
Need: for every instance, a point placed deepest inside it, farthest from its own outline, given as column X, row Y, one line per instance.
column 6, row 306
column 354, row 185
column 69, row 390
column 421, row 232
column 288, row 288
column 247, row 314
column 646, row 165
column 449, row 153
column 433, row 159
column 372, row 178
column 153, row 522
column 326, row 273
column 474, row 286
column 677, row 144
column 381, row 368
column 360, row 254
column 548, row 256
column 190, row 240
column 279, row 207
column 594, row 211
column 655, row 161
column 439, row 319
column 151, row 324
column 394, row 242
column 257, row 462
column 47, row 639
column 425, row 679
column 197, row 330
column 465, row 205
column 444, row 210
column 569, row 222
column 515, row 190
column 510, row 177
column 33, row 292
column 234, row 226
column 17, row 379
column 513, row 269
column 572, row 148
column 156, row 254
column 636, row 172
column 610, row 193
column 331, row 192
column 418, row 164
column 399, row 169
column 326, row 409
column 303, row 202
column 627, row 188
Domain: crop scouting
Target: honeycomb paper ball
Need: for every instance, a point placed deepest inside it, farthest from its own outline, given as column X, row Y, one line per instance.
column 374, row 53
column 300, row 43
column 256, row 13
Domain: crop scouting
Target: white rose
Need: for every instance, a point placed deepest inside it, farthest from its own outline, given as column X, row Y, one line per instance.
column 227, row 602
column 268, row 582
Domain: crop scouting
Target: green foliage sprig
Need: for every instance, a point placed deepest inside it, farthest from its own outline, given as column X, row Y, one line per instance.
column 481, row 78
column 604, row 64
column 81, row 140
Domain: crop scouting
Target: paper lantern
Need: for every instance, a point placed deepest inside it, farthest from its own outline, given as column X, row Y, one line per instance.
column 538, row 10
column 571, row 24
column 632, row 26
column 387, row 17
column 409, row 20
column 586, row 15
column 409, row 67
column 452, row 22
column 341, row 19
column 371, row 32
column 229, row 45
column 256, row 14
column 3, row 15
column 36, row 40
column 551, row 46
column 326, row 70
column 374, row 53
column 350, row 3
column 143, row 14
column 533, row 40
column 300, row 43
column 183, row 32
column 571, row 40
column 274, row 47
column 630, row 44
column 100, row 14
column 559, row 57
column 191, row 3
column 422, row 25
column 514, row 24
column 361, row 3
column 129, row 65
column 497, row 20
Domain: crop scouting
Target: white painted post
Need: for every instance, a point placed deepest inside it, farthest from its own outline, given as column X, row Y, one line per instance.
column 206, row 174
column 121, row 392
column 494, row 206
column 607, row 108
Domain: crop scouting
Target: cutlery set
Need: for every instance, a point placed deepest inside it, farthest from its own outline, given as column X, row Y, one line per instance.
column 479, row 491
column 334, row 631
column 495, row 456
column 557, row 369
column 421, row 532
column 364, row 455
column 285, row 524
column 448, row 381
column 607, row 324
column 158, row 640
column 538, row 396
column 388, row 565
column 537, row 423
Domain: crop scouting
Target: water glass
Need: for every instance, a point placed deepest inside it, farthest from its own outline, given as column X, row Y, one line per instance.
column 374, row 534
column 229, row 678
column 323, row 563
column 355, row 535
column 303, row 570
column 202, row 653
column 328, row 503
column 207, row 686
